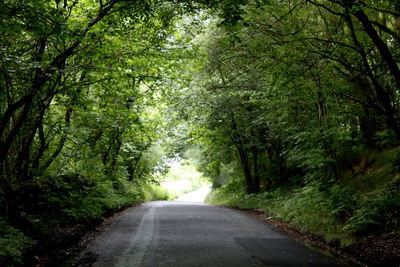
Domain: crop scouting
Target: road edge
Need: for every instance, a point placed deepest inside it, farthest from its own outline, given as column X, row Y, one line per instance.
column 71, row 255
column 311, row 241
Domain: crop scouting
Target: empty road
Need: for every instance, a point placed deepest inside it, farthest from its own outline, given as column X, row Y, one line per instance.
column 196, row 234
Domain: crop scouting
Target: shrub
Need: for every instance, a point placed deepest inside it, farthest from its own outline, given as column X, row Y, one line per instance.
column 378, row 212
column 343, row 203
column 13, row 244
column 155, row 192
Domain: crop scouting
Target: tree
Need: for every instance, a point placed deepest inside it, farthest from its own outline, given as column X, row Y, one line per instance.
column 296, row 84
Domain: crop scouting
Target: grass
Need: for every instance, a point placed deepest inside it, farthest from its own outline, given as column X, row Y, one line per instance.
column 306, row 208
column 357, row 205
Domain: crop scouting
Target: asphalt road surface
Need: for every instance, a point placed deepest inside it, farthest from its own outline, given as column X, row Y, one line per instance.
column 196, row 234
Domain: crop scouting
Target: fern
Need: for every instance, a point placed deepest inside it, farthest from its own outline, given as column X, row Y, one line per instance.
column 13, row 244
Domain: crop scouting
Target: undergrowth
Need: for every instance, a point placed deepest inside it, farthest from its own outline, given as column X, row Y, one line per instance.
column 13, row 244
column 40, row 227
column 153, row 192
column 336, row 213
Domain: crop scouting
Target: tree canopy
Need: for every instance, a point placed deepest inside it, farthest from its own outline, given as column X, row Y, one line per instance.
column 272, row 96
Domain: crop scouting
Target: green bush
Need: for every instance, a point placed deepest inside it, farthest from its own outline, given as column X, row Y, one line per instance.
column 335, row 213
column 155, row 192
column 77, row 200
column 309, row 207
column 378, row 212
column 13, row 244
column 386, row 138
column 365, row 220
column 343, row 203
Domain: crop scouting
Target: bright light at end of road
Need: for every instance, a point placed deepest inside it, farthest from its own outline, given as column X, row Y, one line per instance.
column 185, row 183
column 196, row 196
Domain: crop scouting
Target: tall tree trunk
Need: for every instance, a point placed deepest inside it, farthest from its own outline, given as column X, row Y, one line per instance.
column 256, row 177
column 61, row 142
column 384, row 98
column 244, row 158
column 383, row 49
column 387, row 56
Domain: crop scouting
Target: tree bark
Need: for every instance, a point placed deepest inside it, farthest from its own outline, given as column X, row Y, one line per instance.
column 244, row 159
column 383, row 49
column 383, row 97
column 246, row 168
column 256, row 180
column 61, row 143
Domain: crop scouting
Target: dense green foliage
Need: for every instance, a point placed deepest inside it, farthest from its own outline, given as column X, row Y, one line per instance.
column 298, row 102
column 78, row 129
column 293, row 105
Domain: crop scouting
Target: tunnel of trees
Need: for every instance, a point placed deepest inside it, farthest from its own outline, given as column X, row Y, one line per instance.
column 289, row 106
